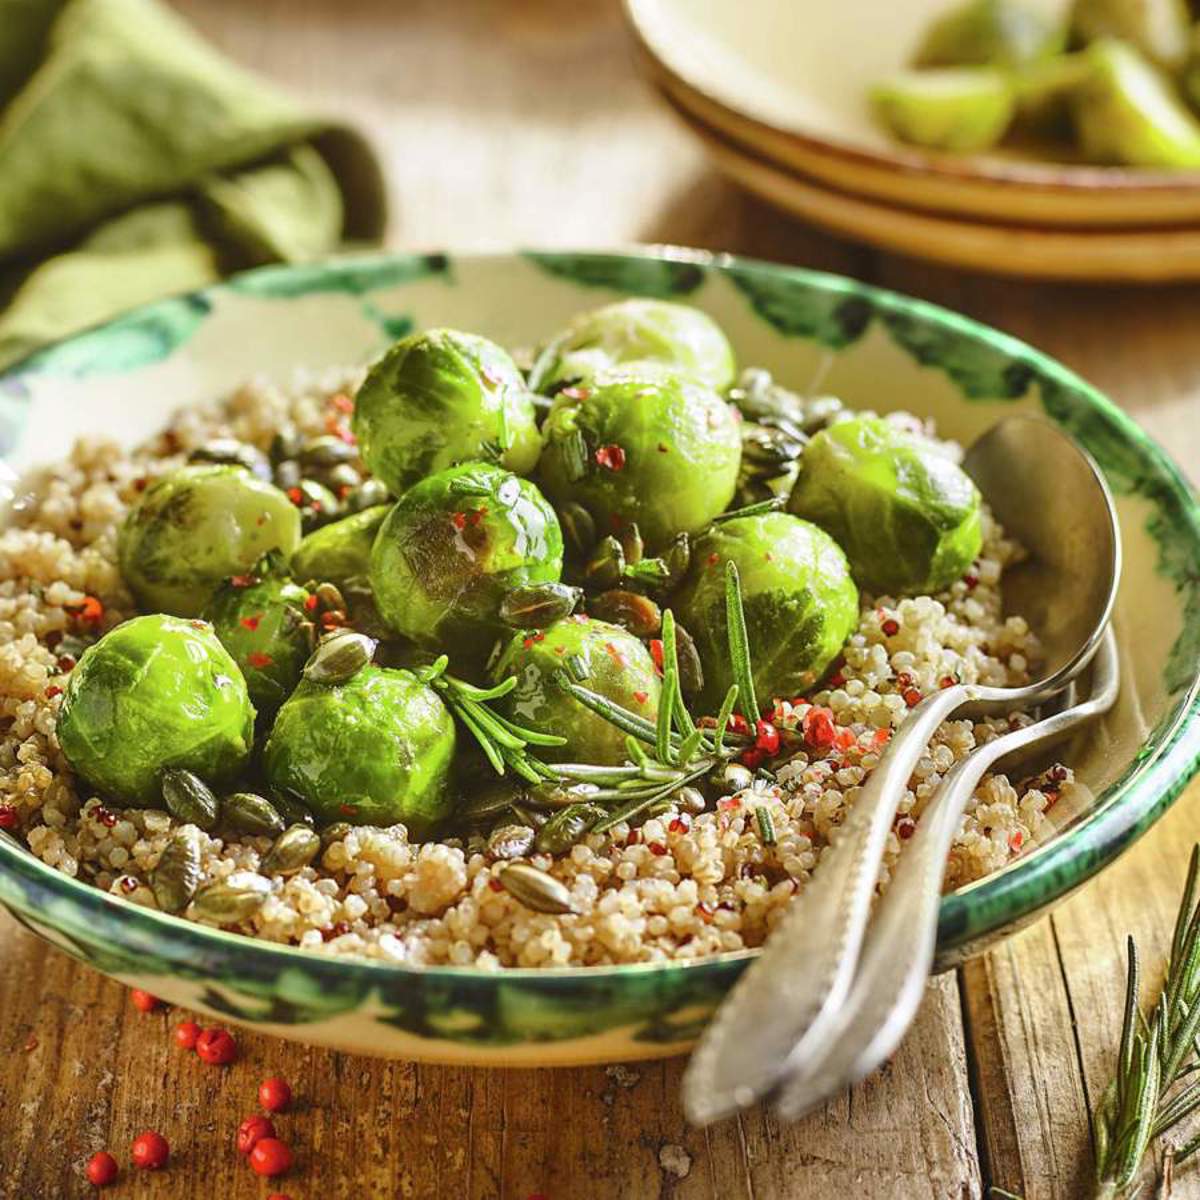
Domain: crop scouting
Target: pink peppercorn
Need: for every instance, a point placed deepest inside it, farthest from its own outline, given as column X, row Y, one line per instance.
column 102, row 1169
column 274, row 1094
column 216, row 1047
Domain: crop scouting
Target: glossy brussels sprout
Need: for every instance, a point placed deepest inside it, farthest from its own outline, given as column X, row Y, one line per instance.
column 646, row 445
column 196, row 527
column 442, row 397
column 375, row 750
column 907, row 517
column 155, row 692
column 673, row 335
column 1127, row 112
column 339, row 552
column 990, row 33
column 617, row 665
column 800, row 601
column 961, row 109
column 1157, row 28
column 262, row 621
column 450, row 550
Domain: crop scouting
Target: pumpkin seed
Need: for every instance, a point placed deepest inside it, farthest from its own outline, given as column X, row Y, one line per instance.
column 293, row 850
column 339, row 657
column 691, row 673
column 233, row 900
column 538, row 606
column 566, row 827
column 368, row 494
column 317, row 503
column 335, row 833
column 245, row 812
column 326, row 451
column 286, row 444
column 631, row 543
column 341, row 479
column 535, row 889
column 606, row 565
column 510, row 841
column 579, row 529
column 330, row 598
column 532, row 817
column 639, row 614
column 691, row 800
column 176, row 875
column 768, row 446
column 677, row 557
column 189, row 799
column 732, row 777
column 287, row 475
column 557, row 795
column 235, row 453
column 488, row 801
column 292, row 809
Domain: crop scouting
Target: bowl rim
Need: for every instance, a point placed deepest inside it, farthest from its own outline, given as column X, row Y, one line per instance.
column 1066, row 178
column 1028, row 884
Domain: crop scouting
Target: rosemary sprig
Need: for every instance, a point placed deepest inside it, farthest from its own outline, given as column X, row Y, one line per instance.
column 739, row 642
column 1155, row 1086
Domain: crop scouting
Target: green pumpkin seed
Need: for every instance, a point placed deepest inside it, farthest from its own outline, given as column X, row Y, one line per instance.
column 730, row 778
column 330, row 598
column 368, row 494
column 287, row 475
column 606, row 565
column 189, row 799
column 557, row 795
column 538, row 606
column 176, row 875
column 317, row 504
column 532, row 817
column 631, row 544
column 565, row 828
column 691, row 673
column 691, row 800
column 535, row 889
column 326, row 451
column 579, row 529
column 292, row 809
column 341, row 479
column 245, row 812
column 339, row 657
column 233, row 453
column 286, row 444
column 639, row 614
column 510, row 841
column 337, row 832
column 293, row 850
column 488, row 801
column 236, row 899
column 677, row 558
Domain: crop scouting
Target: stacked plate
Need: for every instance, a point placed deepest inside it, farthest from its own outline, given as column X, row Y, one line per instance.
column 777, row 91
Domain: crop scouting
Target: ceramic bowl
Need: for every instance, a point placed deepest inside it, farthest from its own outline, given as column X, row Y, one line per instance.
column 788, row 82
column 875, row 349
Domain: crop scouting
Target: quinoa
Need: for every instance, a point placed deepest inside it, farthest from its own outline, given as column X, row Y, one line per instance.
column 681, row 886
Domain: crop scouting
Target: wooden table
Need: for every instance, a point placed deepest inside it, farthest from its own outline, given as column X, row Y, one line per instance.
column 504, row 122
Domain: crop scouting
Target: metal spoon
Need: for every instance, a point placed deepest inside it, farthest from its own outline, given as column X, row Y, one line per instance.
column 1051, row 497
column 897, row 954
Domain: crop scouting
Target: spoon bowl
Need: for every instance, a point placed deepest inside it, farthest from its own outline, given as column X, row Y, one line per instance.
column 786, row 1004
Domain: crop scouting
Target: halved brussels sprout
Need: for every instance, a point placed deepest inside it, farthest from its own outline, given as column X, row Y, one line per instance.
column 1127, row 112
column 642, row 444
column 800, row 602
column 616, row 664
column 262, row 621
column 194, row 528
column 155, row 692
column 452, row 547
column 339, row 552
column 635, row 331
column 990, row 33
column 1157, row 28
column 961, row 109
column 375, row 750
column 443, row 397
column 907, row 516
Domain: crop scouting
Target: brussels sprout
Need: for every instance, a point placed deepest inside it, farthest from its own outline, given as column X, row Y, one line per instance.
column 450, row 550
column 646, row 445
column 961, row 109
column 262, row 621
column 441, row 397
column 1157, row 28
column 375, row 750
column 155, row 692
column 907, row 517
column 617, row 665
column 990, row 33
column 1127, row 112
column 635, row 331
column 196, row 527
column 800, row 601
column 339, row 552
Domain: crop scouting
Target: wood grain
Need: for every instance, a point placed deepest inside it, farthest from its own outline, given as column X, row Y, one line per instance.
column 520, row 121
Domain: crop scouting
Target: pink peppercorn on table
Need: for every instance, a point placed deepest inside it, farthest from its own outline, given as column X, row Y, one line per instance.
column 505, row 122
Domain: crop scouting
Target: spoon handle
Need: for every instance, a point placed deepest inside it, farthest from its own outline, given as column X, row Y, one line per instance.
column 787, row 1000
column 899, row 947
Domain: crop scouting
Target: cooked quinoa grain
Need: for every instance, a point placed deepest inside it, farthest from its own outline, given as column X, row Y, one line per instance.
column 682, row 885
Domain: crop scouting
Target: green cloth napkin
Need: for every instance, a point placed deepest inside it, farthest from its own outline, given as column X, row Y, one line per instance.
column 136, row 162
